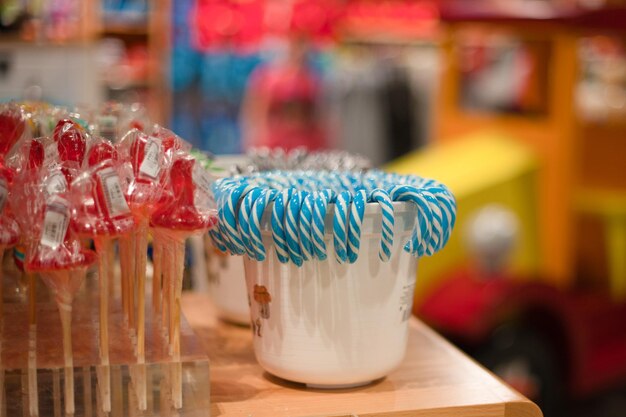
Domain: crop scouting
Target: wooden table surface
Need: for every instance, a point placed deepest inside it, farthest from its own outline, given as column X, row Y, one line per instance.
column 435, row 380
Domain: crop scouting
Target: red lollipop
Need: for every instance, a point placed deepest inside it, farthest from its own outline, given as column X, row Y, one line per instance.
column 36, row 154
column 101, row 207
column 183, row 212
column 101, row 151
column 12, row 126
column 71, row 142
column 9, row 230
column 62, row 264
column 102, row 213
column 58, row 248
column 191, row 209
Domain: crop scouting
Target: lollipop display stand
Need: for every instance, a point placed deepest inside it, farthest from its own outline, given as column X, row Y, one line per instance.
column 32, row 373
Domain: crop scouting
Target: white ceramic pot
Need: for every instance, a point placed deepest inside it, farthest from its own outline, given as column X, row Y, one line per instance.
column 334, row 325
column 227, row 286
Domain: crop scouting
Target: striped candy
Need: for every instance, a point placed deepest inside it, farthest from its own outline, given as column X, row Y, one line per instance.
column 340, row 226
column 318, row 226
column 386, row 205
column 278, row 225
column 300, row 206
column 304, row 226
column 292, row 215
column 243, row 219
column 256, row 239
column 357, row 211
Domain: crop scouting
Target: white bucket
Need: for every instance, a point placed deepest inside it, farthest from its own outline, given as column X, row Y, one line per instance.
column 334, row 325
column 227, row 286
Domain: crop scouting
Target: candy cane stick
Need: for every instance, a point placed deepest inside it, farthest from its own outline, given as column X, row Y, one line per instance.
column 304, row 226
column 255, row 222
column 278, row 225
column 318, row 226
column 292, row 215
column 357, row 211
column 387, row 225
column 422, row 231
column 340, row 225
column 229, row 220
column 243, row 219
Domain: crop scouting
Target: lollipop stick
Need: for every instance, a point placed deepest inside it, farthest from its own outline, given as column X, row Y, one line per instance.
column 124, row 273
column 65, row 311
column 2, row 249
column 32, row 298
column 111, row 263
column 167, row 278
column 157, row 263
column 103, row 247
column 141, row 262
column 171, row 293
column 179, row 261
column 2, row 395
column 132, row 280
column 33, row 398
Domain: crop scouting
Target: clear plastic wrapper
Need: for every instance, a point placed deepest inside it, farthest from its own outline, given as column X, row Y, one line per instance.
column 58, row 246
column 190, row 206
column 12, row 127
column 9, row 230
column 149, row 160
column 99, row 201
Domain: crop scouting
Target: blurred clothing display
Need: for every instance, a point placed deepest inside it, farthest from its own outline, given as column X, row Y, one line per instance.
column 282, row 104
column 380, row 100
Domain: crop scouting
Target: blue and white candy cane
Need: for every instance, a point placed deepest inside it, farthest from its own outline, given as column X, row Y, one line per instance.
column 318, row 225
column 278, row 225
column 447, row 203
column 228, row 218
column 421, row 233
column 340, row 226
column 386, row 205
column 243, row 219
column 304, row 226
column 437, row 232
column 357, row 211
column 292, row 215
column 256, row 239
column 216, row 238
column 222, row 226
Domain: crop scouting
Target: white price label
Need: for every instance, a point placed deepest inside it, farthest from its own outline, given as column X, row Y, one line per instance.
column 56, row 183
column 55, row 224
column 4, row 193
column 150, row 165
column 113, row 193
